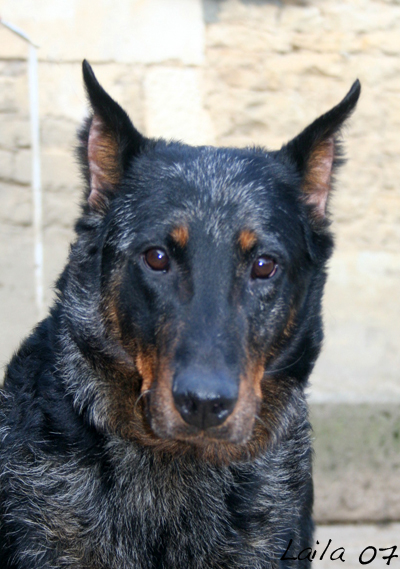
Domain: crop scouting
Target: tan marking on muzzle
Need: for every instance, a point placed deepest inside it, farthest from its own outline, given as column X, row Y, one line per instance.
column 146, row 362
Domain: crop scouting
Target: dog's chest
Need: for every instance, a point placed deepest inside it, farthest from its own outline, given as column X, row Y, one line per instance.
column 171, row 516
column 146, row 515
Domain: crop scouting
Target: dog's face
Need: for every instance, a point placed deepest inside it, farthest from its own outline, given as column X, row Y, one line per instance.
column 209, row 273
column 211, row 267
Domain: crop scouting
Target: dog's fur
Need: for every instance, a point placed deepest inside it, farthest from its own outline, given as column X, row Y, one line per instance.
column 195, row 282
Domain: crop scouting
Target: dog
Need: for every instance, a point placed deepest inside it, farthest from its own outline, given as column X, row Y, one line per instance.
column 156, row 419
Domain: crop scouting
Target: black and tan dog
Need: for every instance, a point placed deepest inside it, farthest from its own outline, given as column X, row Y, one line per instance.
column 157, row 419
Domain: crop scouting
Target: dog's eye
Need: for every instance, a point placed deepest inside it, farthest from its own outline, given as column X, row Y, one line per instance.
column 157, row 259
column 264, row 267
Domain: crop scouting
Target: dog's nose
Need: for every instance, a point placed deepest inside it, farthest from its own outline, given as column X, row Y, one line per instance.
column 203, row 398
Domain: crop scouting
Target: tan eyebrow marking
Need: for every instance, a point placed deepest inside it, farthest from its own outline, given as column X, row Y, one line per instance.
column 180, row 235
column 247, row 240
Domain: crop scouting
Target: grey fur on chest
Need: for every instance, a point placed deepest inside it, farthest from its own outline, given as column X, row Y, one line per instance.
column 137, row 509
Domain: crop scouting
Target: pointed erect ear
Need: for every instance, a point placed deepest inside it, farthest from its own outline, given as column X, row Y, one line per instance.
column 316, row 152
column 108, row 142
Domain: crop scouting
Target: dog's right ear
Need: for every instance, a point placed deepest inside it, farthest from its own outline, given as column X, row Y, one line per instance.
column 316, row 153
column 108, row 143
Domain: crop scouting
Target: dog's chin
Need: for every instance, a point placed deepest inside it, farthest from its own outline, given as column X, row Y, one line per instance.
column 204, row 438
column 220, row 445
column 216, row 451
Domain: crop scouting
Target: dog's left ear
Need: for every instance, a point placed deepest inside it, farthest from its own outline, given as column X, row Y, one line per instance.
column 108, row 142
column 316, row 153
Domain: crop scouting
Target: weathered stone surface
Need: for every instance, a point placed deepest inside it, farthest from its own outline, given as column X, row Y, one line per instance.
column 357, row 461
column 61, row 208
column 361, row 357
column 147, row 32
column 13, row 93
column 17, row 307
column 16, row 205
column 176, row 113
column 62, row 162
column 7, row 161
column 22, row 167
column 61, row 93
column 58, row 132
column 14, row 131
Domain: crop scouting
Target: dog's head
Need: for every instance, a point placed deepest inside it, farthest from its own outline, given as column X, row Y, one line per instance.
column 199, row 274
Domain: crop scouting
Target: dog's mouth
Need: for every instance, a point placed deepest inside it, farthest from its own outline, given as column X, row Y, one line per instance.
column 202, row 421
column 241, row 438
column 208, row 409
column 219, row 433
column 198, row 405
column 228, row 433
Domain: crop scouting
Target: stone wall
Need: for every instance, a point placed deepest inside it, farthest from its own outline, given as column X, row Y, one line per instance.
column 225, row 72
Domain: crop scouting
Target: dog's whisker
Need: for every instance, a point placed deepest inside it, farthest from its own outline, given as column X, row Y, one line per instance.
column 143, row 394
column 288, row 366
column 258, row 418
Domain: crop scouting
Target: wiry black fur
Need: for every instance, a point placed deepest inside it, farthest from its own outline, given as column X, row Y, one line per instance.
column 84, row 484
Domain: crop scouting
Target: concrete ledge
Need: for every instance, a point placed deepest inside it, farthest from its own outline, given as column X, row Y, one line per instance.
column 357, row 461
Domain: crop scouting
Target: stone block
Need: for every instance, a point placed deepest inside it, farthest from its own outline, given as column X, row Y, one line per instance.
column 377, row 71
column 147, row 32
column 14, row 131
column 176, row 113
column 17, row 305
column 14, row 95
column 59, row 170
column 235, row 36
column 61, row 208
column 12, row 68
column 16, row 205
column 7, row 161
column 61, row 91
column 362, row 18
column 12, row 47
column 301, row 19
column 57, row 132
column 22, row 170
column 386, row 42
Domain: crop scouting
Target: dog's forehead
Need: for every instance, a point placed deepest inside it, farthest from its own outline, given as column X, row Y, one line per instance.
column 220, row 190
